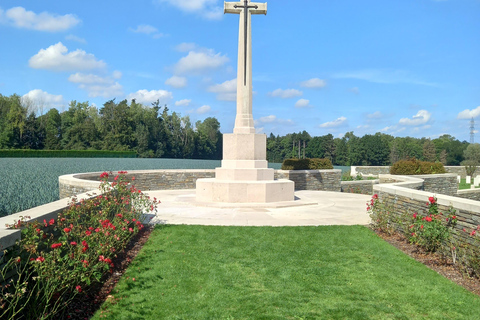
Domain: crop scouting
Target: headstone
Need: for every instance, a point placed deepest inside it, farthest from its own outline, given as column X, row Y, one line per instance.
column 459, row 179
column 244, row 176
column 469, row 179
column 476, row 181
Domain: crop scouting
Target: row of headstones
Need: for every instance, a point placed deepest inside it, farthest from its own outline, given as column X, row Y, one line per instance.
column 476, row 181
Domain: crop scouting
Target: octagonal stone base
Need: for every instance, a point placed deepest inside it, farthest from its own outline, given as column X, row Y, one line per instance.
column 214, row 190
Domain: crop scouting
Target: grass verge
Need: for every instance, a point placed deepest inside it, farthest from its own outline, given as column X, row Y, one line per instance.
column 328, row 272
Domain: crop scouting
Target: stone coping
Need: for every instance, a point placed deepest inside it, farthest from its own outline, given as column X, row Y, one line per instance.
column 405, row 183
column 44, row 212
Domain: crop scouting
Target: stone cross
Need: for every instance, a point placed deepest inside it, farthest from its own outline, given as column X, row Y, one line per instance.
column 244, row 117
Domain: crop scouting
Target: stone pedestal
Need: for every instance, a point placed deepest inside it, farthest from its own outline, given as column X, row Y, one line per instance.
column 244, row 176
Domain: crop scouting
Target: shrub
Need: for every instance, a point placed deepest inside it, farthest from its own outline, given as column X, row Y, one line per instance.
column 382, row 216
column 306, row 164
column 433, row 230
column 414, row 166
column 58, row 259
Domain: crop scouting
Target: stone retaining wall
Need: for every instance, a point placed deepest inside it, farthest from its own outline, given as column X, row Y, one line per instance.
column 325, row 180
column 401, row 200
column 359, row 186
column 376, row 170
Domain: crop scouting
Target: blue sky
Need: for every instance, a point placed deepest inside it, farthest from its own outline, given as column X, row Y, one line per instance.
column 402, row 67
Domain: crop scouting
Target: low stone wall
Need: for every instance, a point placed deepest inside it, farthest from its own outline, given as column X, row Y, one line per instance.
column 401, row 199
column 145, row 180
column 359, row 186
column 369, row 170
column 440, row 183
column 325, row 180
column 472, row 194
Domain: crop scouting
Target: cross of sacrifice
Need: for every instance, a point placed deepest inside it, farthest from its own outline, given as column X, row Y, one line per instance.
column 244, row 119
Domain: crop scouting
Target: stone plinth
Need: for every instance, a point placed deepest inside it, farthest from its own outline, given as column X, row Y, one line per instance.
column 244, row 176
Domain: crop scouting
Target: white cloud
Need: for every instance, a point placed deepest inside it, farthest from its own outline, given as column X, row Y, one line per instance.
column 148, row 97
column 97, row 86
column 186, row 46
column 203, row 109
column 272, row 119
column 335, row 123
column 314, row 83
column 285, row 94
column 422, row 117
column 205, row 8
column 385, row 76
column 39, row 99
column 355, row 90
column 303, row 103
column 183, row 103
column 198, row 62
column 57, row 58
column 468, row 114
column 21, row 18
column 176, row 82
column 226, row 91
column 147, row 29
column 72, row 37
column 375, row 115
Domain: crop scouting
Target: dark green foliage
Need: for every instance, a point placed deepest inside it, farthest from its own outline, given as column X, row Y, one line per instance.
column 26, row 153
column 414, row 166
column 307, row 164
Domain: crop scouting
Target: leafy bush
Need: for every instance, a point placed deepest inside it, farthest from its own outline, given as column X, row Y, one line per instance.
column 56, row 260
column 382, row 216
column 414, row 166
column 433, row 230
column 307, row 164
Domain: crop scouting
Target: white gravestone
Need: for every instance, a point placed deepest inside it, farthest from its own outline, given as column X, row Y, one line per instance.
column 469, row 179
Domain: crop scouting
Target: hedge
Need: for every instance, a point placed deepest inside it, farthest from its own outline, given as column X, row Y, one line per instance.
column 414, row 166
column 306, row 164
column 28, row 153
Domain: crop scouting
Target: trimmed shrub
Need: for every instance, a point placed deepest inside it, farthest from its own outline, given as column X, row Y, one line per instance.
column 306, row 164
column 415, row 167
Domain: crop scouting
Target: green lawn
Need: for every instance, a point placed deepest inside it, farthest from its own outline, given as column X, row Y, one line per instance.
column 328, row 272
column 464, row 185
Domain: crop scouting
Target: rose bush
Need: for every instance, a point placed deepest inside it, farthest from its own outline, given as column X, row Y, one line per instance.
column 56, row 260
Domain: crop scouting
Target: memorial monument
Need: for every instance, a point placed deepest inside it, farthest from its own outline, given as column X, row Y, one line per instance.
column 244, row 176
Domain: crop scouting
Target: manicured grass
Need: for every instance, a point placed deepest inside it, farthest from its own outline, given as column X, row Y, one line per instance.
column 328, row 272
column 464, row 185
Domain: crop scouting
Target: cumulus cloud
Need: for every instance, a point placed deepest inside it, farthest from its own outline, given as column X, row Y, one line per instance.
column 21, row 18
column 148, row 97
column 176, row 82
column 314, row 83
column 285, row 94
column 468, row 114
column 39, row 100
column 303, row 103
column 375, row 115
column 147, row 29
column 272, row 119
column 335, row 123
column 186, row 46
column 57, row 58
column 197, row 62
column 97, row 86
column 422, row 117
column 207, row 9
column 183, row 103
column 72, row 37
column 385, row 76
column 226, row 91
column 203, row 109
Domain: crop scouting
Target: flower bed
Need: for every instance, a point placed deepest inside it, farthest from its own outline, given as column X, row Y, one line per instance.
column 58, row 259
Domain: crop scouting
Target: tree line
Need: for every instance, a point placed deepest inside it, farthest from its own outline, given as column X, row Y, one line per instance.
column 151, row 131
column 370, row 150
column 154, row 131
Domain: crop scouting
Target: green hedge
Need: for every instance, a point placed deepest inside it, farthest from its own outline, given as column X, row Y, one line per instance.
column 414, row 166
column 27, row 153
column 306, row 164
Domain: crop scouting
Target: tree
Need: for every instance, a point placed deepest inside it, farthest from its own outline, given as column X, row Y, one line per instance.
column 429, row 152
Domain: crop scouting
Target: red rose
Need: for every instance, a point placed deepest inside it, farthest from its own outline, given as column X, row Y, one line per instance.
column 432, row 200
column 67, row 230
column 56, row 245
column 40, row 259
